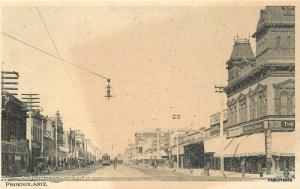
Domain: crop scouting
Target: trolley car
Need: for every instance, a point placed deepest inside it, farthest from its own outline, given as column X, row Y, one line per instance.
column 105, row 160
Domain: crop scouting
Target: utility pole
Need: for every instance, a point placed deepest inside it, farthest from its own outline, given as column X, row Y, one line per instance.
column 176, row 117
column 220, row 89
column 42, row 148
column 177, row 147
column 56, row 151
column 169, row 135
column 75, row 145
column 9, row 82
column 86, row 149
column 32, row 100
column 42, row 142
column 158, row 145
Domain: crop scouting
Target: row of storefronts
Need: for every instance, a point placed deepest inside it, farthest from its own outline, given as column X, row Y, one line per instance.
column 27, row 135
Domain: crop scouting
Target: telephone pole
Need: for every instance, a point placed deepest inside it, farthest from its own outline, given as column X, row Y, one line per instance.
column 220, row 89
column 32, row 100
column 9, row 82
column 56, row 147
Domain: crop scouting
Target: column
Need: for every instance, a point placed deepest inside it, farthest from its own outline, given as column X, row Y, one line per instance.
column 268, row 146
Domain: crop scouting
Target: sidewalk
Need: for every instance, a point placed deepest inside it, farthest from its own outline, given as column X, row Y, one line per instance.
column 28, row 174
column 213, row 173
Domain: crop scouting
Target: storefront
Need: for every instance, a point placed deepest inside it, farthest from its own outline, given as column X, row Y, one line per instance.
column 283, row 150
column 212, row 146
column 14, row 157
column 194, row 156
column 252, row 149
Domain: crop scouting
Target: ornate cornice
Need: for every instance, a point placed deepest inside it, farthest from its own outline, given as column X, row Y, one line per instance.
column 259, row 73
column 277, row 85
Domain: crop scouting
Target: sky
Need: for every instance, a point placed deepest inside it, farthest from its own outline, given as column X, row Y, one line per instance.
column 162, row 60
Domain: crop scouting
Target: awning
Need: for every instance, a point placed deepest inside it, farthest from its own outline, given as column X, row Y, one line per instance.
column 283, row 143
column 212, row 145
column 174, row 150
column 249, row 145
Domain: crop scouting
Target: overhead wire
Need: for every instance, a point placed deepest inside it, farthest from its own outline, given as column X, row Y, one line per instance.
column 54, row 44
column 52, row 55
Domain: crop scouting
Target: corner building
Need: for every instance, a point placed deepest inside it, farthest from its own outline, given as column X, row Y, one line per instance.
column 261, row 95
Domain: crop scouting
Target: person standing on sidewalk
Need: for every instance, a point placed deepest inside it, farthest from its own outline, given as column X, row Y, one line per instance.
column 260, row 169
column 155, row 163
column 115, row 161
column 206, row 168
column 243, row 167
column 15, row 169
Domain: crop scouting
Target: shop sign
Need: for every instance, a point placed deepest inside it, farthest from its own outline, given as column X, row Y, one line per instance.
column 282, row 125
column 288, row 124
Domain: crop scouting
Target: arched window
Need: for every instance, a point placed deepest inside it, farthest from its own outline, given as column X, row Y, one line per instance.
column 278, row 41
column 261, row 104
column 283, row 103
column 293, row 103
column 235, row 114
column 242, row 109
column 252, row 107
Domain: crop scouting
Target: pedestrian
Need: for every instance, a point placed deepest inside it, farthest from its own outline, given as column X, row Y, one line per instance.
column 115, row 163
column 286, row 172
column 206, row 168
column 243, row 167
column 15, row 169
column 260, row 169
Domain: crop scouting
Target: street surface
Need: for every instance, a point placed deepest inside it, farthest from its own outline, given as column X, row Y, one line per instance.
column 133, row 172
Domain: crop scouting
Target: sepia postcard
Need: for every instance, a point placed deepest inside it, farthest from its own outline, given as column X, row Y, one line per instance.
column 149, row 94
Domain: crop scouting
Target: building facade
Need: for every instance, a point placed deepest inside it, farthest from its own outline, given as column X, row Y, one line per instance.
column 151, row 144
column 15, row 151
column 261, row 94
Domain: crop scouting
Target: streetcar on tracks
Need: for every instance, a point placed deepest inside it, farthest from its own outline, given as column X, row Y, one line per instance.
column 105, row 160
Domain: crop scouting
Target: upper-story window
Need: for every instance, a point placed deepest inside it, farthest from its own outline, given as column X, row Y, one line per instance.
column 285, row 97
column 242, row 109
column 283, row 103
column 277, row 41
column 232, row 113
column 261, row 102
column 288, row 39
column 293, row 103
column 252, row 106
